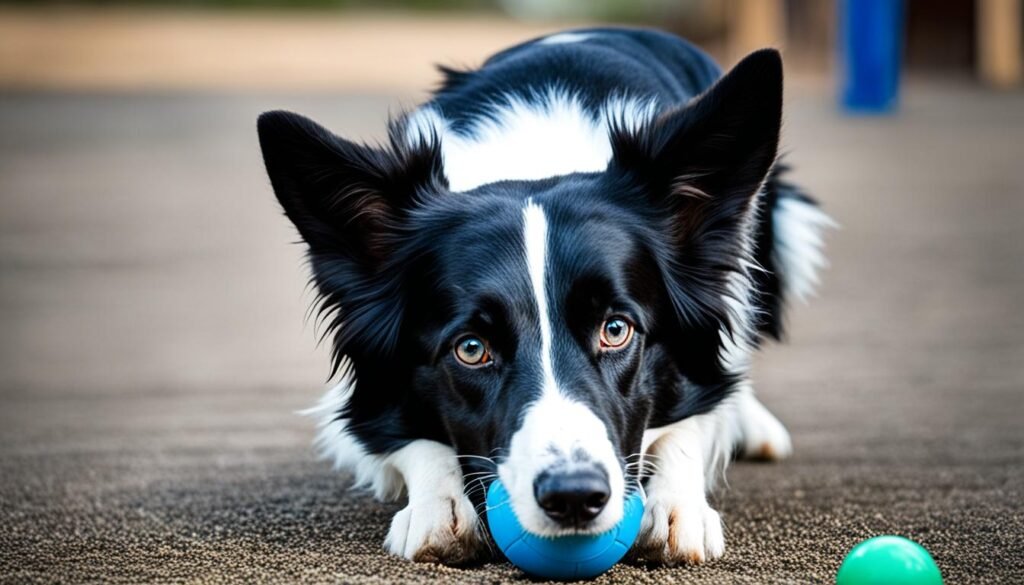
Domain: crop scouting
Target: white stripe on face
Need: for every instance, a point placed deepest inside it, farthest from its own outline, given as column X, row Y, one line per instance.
column 558, row 433
column 535, row 236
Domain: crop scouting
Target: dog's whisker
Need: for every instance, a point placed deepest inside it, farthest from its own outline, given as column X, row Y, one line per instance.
column 478, row 483
column 495, row 507
column 642, row 468
column 487, row 460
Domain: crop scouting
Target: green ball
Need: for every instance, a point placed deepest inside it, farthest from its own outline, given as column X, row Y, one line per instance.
column 888, row 560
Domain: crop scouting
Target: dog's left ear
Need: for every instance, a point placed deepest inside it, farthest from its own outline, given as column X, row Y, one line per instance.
column 701, row 166
column 344, row 197
column 349, row 203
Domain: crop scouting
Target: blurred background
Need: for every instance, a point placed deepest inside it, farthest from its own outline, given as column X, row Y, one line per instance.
column 364, row 45
column 152, row 342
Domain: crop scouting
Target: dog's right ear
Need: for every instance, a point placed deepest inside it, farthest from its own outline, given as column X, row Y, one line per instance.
column 344, row 198
column 348, row 202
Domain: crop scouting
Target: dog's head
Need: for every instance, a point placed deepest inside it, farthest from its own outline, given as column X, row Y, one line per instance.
column 537, row 326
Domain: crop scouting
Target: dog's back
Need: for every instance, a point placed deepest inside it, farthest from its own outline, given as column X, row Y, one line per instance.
column 593, row 65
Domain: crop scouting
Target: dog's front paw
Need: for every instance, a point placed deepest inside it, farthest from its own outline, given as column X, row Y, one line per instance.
column 436, row 530
column 678, row 530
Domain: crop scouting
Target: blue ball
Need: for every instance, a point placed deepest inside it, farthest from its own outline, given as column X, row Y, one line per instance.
column 564, row 557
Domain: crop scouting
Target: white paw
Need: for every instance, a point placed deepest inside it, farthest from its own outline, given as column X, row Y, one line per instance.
column 764, row 437
column 436, row 530
column 677, row 530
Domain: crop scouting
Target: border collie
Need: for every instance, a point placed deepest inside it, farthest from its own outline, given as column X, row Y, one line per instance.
column 553, row 273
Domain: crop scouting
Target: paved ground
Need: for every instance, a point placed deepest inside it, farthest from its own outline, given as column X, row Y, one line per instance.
column 152, row 353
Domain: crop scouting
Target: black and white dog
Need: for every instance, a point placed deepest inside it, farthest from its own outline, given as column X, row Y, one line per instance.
column 554, row 272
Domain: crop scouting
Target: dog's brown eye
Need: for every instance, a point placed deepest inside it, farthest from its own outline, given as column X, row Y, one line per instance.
column 472, row 351
column 616, row 332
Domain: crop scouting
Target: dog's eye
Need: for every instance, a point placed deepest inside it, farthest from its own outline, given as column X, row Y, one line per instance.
column 616, row 332
column 472, row 351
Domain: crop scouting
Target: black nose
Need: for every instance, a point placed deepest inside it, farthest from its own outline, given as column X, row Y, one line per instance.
column 572, row 498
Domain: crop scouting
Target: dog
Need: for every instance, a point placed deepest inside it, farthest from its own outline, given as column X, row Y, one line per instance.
column 554, row 273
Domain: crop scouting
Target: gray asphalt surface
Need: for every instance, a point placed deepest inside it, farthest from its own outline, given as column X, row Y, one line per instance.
column 153, row 352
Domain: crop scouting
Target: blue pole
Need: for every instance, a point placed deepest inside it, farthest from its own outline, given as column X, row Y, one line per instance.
column 870, row 54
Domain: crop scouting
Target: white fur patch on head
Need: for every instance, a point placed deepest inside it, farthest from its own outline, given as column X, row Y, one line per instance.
column 557, row 431
column 564, row 38
column 798, row 245
column 549, row 136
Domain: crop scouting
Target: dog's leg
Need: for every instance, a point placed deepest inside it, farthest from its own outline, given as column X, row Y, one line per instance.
column 762, row 436
column 678, row 525
column 439, row 523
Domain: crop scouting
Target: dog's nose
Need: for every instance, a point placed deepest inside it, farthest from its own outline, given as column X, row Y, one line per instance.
column 572, row 498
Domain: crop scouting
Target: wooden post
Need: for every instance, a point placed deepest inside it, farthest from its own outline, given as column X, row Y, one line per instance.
column 999, row 42
column 755, row 24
